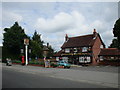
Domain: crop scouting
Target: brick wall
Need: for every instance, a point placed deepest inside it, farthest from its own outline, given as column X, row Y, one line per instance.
column 96, row 50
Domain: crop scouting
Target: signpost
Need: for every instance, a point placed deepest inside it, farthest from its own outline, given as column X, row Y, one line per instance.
column 26, row 42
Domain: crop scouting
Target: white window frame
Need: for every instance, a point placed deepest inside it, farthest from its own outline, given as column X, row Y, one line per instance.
column 67, row 50
column 112, row 58
column 101, row 46
column 101, row 58
column 84, row 49
column 57, row 58
column 75, row 49
column 88, row 59
column 81, row 59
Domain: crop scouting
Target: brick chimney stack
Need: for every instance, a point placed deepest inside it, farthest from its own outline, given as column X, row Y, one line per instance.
column 66, row 38
column 94, row 33
column 47, row 44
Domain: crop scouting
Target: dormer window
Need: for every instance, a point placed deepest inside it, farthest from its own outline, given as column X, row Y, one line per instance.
column 75, row 49
column 84, row 49
column 67, row 50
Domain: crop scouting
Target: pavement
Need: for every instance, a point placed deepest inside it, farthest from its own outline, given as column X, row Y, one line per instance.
column 108, row 79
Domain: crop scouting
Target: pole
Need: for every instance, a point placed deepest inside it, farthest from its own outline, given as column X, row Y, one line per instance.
column 26, row 50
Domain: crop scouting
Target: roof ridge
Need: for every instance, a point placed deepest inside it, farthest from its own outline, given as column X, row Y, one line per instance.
column 81, row 36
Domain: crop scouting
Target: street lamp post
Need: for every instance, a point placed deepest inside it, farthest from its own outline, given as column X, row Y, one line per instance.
column 26, row 42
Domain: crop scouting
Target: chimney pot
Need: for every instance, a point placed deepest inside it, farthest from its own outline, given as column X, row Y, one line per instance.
column 94, row 31
column 66, row 37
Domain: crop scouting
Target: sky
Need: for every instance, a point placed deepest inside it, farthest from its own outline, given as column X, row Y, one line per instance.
column 53, row 20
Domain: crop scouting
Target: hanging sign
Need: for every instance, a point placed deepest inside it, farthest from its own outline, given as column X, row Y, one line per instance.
column 26, row 41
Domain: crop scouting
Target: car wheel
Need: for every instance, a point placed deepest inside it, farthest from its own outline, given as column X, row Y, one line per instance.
column 64, row 67
column 68, row 67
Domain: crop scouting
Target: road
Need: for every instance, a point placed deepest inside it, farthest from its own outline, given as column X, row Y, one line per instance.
column 17, row 76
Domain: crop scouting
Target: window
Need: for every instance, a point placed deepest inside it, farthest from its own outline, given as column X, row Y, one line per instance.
column 88, row 59
column 101, row 46
column 65, row 59
column 84, row 59
column 101, row 58
column 81, row 59
column 84, row 49
column 112, row 57
column 57, row 58
column 75, row 49
column 67, row 50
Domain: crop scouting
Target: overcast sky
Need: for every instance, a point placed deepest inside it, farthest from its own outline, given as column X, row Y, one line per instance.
column 55, row 19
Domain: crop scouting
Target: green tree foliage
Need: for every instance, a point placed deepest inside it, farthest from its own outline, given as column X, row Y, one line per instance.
column 36, row 45
column 13, row 41
column 114, row 44
column 50, row 51
column 116, row 31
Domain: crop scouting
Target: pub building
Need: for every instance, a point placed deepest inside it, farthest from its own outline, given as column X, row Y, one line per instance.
column 81, row 50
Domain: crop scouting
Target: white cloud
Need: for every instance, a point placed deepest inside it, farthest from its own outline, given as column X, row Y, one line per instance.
column 54, row 20
column 73, row 24
column 11, row 17
column 1, row 36
column 60, row 22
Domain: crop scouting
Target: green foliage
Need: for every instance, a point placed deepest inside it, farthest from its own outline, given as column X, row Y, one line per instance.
column 36, row 46
column 50, row 52
column 34, row 62
column 114, row 44
column 16, row 61
column 13, row 40
column 116, row 29
column 116, row 32
column 53, row 64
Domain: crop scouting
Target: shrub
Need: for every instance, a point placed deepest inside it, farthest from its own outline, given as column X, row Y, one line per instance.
column 16, row 61
column 53, row 65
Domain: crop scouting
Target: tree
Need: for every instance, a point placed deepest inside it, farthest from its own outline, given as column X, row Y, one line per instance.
column 13, row 41
column 50, row 51
column 116, row 32
column 114, row 44
column 36, row 45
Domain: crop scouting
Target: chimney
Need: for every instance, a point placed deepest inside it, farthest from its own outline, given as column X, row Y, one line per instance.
column 66, row 38
column 47, row 44
column 94, row 33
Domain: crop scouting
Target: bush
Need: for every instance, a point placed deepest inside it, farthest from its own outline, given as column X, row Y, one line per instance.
column 16, row 61
column 42, row 63
column 36, row 62
column 53, row 65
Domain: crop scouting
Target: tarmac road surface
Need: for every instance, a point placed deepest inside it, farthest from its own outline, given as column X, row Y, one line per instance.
column 17, row 76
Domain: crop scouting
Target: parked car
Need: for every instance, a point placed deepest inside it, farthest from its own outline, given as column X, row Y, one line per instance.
column 64, row 63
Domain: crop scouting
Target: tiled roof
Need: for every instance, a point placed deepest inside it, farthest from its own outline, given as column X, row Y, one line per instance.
column 58, row 53
column 86, row 40
column 109, row 51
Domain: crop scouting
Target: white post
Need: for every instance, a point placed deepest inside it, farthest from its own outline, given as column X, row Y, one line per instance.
column 26, row 52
